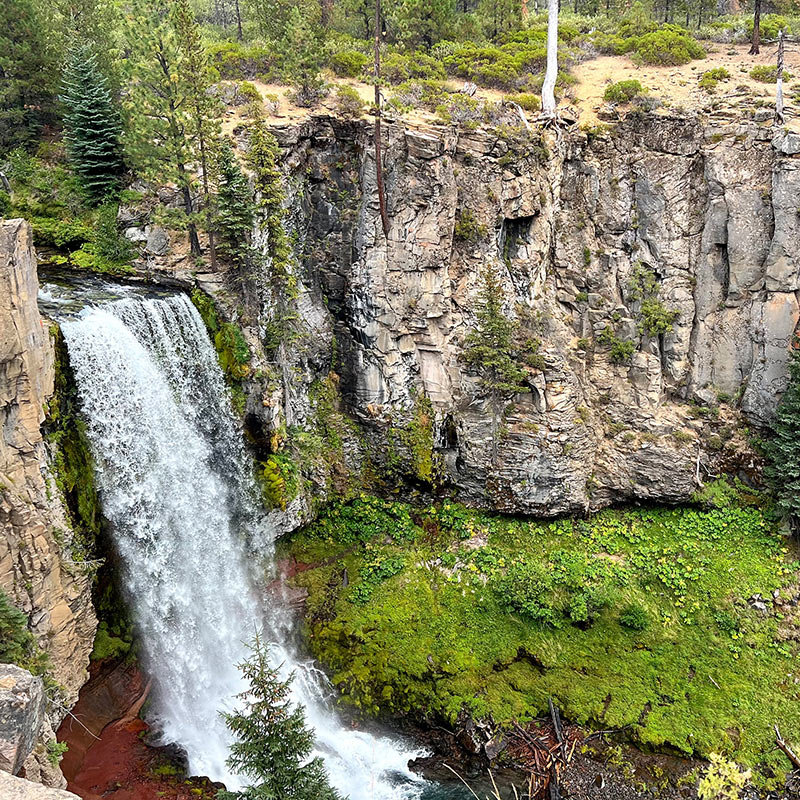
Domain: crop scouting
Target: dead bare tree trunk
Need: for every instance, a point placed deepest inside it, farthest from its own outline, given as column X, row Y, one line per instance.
column 756, row 43
column 378, row 153
column 551, row 73
column 239, row 35
column 779, row 117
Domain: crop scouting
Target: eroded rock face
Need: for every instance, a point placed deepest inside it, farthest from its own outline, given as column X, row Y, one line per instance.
column 34, row 572
column 22, row 707
column 710, row 214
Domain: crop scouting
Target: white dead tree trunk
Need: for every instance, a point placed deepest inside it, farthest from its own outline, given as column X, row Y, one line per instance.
column 779, row 117
column 549, row 85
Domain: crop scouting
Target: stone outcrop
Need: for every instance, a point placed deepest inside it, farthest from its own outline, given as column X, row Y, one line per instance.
column 35, row 567
column 22, row 709
column 700, row 220
column 12, row 788
column 589, row 234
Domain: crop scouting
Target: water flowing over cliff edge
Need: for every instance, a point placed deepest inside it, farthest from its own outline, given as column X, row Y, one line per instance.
column 176, row 490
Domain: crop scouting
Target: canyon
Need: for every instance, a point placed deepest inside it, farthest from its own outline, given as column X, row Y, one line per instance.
column 589, row 231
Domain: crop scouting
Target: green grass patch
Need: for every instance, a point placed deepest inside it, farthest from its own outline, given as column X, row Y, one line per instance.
column 636, row 619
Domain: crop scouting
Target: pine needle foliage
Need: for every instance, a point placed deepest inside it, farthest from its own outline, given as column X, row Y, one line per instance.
column 92, row 124
column 273, row 743
column 783, row 450
column 489, row 346
column 235, row 208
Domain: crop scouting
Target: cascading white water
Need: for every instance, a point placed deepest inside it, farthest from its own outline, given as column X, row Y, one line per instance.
column 177, row 491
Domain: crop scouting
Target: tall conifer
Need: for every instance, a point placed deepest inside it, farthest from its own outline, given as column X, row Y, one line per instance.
column 92, row 124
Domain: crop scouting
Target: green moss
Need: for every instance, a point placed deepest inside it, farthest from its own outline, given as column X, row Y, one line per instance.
column 108, row 646
column 411, row 446
column 232, row 349
column 72, row 462
column 616, row 616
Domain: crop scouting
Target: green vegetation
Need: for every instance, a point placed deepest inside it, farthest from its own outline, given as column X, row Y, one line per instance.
column 620, row 350
column 92, row 125
column 623, row 91
column 55, row 751
column 711, row 78
column 416, row 443
column 669, row 46
column 488, row 347
column 467, row 228
column 72, row 461
column 17, row 643
column 235, row 212
column 635, row 619
column 348, row 102
column 655, row 318
column 232, row 349
column 272, row 743
column 783, row 449
column 348, row 63
column 768, row 73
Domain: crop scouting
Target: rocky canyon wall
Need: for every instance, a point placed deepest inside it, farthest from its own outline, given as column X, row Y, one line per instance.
column 593, row 236
column 36, row 571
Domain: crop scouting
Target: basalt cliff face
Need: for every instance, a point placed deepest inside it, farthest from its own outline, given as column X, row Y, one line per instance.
column 36, row 572
column 676, row 236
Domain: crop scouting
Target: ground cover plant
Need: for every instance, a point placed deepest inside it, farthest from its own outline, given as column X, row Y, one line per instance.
column 649, row 620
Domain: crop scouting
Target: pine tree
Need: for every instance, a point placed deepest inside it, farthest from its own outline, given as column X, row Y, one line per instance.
column 783, row 450
column 159, row 133
column 273, row 744
column 204, row 108
column 91, row 123
column 489, row 347
column 236, row 211
column 303, row 57
column 28, row 72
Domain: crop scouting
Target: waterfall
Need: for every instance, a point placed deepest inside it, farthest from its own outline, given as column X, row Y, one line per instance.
column 176, row 487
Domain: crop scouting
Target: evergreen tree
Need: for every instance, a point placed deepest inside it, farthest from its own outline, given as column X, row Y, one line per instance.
column 92, row 124
column 273, row 744
column 423, row 22
column 499, row 16
column 236, row 211
column 783, row 450
column 159, row 132
column 489, row 347
column 204, row 108
column 262, row 158
column 303, row 56
column 28, row 72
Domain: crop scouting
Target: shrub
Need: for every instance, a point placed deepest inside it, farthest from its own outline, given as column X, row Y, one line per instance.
column 237, row 61
column 623, row 91
column 507, row 67
column 527, row 588
column 620, row 350
column 467, row 228
column 529, row 102
column 398, row 68
column 634, row 617
column 460, row 109
column 723, row 780
column 348, row 102
column 348, row 63
column 17, row 644
column 769, row 25
column 668, row 46
column 248, row 93
column 768, row 73
column 710, row 78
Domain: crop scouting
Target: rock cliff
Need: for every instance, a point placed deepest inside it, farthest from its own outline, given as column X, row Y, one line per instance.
column 36, row 570
column 654, row 266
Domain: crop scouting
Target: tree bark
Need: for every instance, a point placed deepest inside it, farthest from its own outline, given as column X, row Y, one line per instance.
column 378, row 153
column 756, row 43
column 239, row 35
column 551, row 73
column 779, row 117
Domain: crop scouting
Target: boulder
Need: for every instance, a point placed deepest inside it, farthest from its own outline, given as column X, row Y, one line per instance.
column 22, row 708
column 12, row 788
